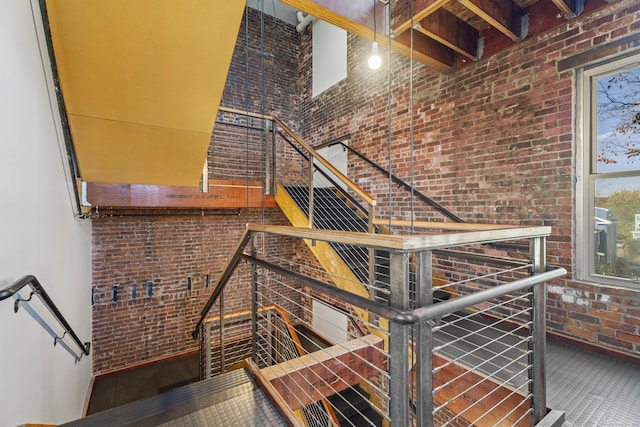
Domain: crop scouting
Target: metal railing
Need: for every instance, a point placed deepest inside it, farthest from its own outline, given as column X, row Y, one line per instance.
column 14, row 288
column 398, row 181
column 268, row 142
column 251, row 146
column 477, row 358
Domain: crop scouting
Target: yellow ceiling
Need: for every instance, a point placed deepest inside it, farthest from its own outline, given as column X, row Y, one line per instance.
column 142, row 81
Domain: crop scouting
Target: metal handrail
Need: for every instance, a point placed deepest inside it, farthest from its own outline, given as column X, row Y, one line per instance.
column 38, row 289
column 326, row 176
column 402, row 183
column 371, row 201
column 411, row 243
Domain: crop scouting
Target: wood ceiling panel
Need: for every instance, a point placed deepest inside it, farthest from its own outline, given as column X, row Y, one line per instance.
column 143, row 64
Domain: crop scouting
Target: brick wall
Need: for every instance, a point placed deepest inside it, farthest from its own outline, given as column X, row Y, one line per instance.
column 493, row 142
column 166, row 251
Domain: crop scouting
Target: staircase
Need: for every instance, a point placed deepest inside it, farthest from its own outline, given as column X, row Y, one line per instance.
column 332, row 211
column 233, row 399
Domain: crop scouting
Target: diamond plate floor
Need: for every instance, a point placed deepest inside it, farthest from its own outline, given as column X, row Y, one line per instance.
column 213, row 402
column 593, row 390
column 250, row 409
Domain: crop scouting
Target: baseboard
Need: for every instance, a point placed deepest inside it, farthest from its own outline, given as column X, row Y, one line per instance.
column 148, row 362
column 594, row 348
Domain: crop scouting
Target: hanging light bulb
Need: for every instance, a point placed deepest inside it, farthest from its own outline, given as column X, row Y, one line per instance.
column 374, row 60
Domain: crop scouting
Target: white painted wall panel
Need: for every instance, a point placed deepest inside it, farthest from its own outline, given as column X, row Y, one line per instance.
column 38, row 235
column 329, row 56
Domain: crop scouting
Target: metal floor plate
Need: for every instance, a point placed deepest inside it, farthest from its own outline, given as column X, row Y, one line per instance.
column 251, row 409
column 593, row 390
column 227, row 395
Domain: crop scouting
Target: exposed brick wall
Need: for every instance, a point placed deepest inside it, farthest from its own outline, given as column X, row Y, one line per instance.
column 164, row 250
column 279, row 95
column 493, row 142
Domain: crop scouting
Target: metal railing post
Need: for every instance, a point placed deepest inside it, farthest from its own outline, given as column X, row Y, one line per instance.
column 268, row 160
column 273, row 165
column 254, row 305
column 311, row 166
column 424, row 341
column 538, row 332
column 205, row 351
column 222, row 331
column 399, row 342
column 372, row 261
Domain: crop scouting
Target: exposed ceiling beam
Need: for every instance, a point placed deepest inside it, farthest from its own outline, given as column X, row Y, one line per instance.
column 401, row 13
column 452, row 32
column 356, row 17
column 570, row 8
column 505, row 16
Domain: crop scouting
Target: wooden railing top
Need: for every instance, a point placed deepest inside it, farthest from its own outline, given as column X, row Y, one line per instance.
column 482, row 233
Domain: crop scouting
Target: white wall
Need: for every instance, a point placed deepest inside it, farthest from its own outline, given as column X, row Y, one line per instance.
column 337, row 156
column 39, row 383
column 329, row 322
column 329, row 59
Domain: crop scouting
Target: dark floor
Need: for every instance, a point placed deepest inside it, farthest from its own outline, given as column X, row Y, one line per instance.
column 116, row 389
column 593, row 390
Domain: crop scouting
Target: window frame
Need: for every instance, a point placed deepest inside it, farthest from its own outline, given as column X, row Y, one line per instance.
column 586, row 165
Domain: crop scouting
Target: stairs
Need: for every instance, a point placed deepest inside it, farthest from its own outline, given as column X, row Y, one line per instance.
column 351, row 406
column 231, row 399
column 332, row 212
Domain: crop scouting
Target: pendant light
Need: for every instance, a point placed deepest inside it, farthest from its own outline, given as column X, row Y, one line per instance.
column 374, row 60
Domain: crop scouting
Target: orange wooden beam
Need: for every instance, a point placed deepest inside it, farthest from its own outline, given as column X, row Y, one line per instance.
column 321, row 374
column 505, row 16
column 222, row 194
column 401, row 14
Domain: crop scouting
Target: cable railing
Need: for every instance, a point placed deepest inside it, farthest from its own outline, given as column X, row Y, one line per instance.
column 399, row 182
column 299, row 156
column 13, row 289
column 476, row 359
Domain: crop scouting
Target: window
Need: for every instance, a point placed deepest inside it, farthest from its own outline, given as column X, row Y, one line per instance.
column 608, row 167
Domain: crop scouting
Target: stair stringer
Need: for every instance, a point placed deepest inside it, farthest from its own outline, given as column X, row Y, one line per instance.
column 339, row 272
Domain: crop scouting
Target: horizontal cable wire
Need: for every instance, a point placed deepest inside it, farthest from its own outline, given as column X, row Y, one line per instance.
column 365, row 361
column 462, row 393
column 384, row 373
column 291, row 355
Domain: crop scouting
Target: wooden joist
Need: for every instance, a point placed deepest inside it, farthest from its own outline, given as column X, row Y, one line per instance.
column 446, row 28
column 323, row 373
column 506, row 16
column 357, row 17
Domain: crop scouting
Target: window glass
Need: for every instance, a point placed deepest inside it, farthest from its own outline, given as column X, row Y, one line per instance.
column 617, row 227
column 618, row 121
column 608, row 189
